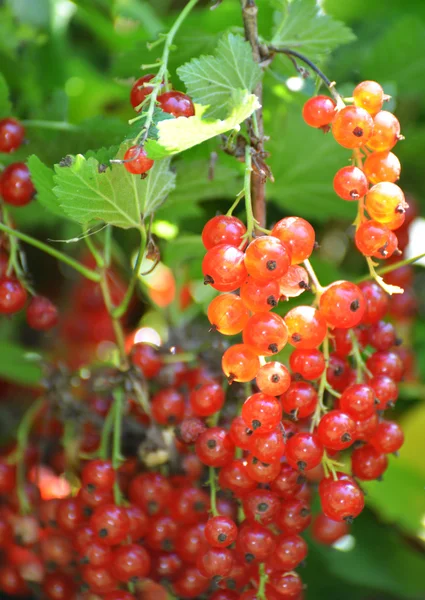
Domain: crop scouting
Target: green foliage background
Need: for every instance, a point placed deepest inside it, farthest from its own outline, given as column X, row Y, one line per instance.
column 73, row 62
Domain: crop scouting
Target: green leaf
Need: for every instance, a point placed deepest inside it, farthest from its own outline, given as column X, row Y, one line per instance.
column 33, row 12
column 5, row 105
column 304, row 162
column 380, row 559
column 115, row 196
column 303, row 26
column 183, row 250
column 18, row 365
column 177, row 135
column 210, row 80
column 43, row 179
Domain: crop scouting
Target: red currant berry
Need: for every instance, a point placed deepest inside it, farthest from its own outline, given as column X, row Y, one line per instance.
column 240, row 363
column 41, row 314
column 267, row 258
column 298, row 234
column 261, row 412
column 234, row 476
column 224, row 268
column 382, row 166
column 377, row 302
column 369, row 95
column 215, row 562
column 367, row 463
column 288, row 483
column 304, row 451
column 214, row 447
column 240, row 433
column 266, row 333
column 168, row 406
column 294, row 517
column 386, row 132
column 388, row 437
column 288, row 585
column 147, row 359
column 352, row 127
column 177, row 104
column 261, row 506
column 342, row 304
column 207, row 399
column 98, row 475
column 110, row 523
column 228, row 314
column 366, row 428
column 255, row 543
column 358, row 401
column 260, row 297
column 130, row 561
column 220, row 531
column 341, row 500
column 384, row 200
column 309, row 364
column 327, row 531
column 12, row 296
column 223, row 230
column 273, row 378
column 141, row 90
column 262, row 472
column 319, row 111
column 336, row 430
column 290, row 551
column 294, row 283
column 300, row 400
column 350, row 183
column 268, row 447
column 11, row 135
column 376, row 239
column 16, row 185
column 138, row 161
column 306, row 327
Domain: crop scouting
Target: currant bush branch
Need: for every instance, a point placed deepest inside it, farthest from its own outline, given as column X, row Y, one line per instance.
column 85, row 271
column 360, row 363
column 120, row 310
column 162, row 74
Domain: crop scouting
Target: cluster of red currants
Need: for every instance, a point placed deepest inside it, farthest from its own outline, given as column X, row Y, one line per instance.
column 172, row 102
column 371, row 133
column 17, row 189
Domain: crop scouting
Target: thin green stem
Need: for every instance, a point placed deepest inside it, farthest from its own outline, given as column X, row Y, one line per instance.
column 120, row 310
column 235, row 203
column 250, row 221
column 360, row 363
column 106, row 434
column 213, row 491
column 94, row 251
column 117, row 458
column 321, row 408
column 22, row 436
column 330, row 466
column 393, row 267
column 54, row 125
column 116, row 324
column 169, row 359
column 107, row 250
column 318, row 289
column 86, row 272
column 162, row 72
column 261, row 592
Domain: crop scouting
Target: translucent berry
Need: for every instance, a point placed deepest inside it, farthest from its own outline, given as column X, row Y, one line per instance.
column 382, row 166
column 306, row 327
column 138, row 161
column 130, row 561
column 11, row 134
column 352, row 127
column 261, row 412
column 266, row 333
column 224, row 268
column 342, row 304
column 16, row 185
column 240, row 363
column 214, row 447
column 147, row 358
column 261, row 506
column 341, row 500
column 386, row 132
column 110, row 523
column 304, row 451
column 177, row 104
column 41, row 313
column 327, row 531
column 228, row 314
column 267, row 258
column 385, row 389
column 268, row 447
column 376, row 239
column 367, row 463
column 388, row 437
column 384, row 200
column 377, row 302
column 300, row 400
column 207, row 399
column 298, row 234
column 215, row 562
column 259, row 296
column 12, row 296
column 369, row 95
column 309, row 364
column 319, row 111
column 294, row 283
column 141, row 90
column 350, row 183
column 336, row 430
column 220, row 531
column 223, row 230
column 358, row 401
column 273, row 378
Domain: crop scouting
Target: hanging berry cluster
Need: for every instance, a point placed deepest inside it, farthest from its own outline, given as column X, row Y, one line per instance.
column 17, row 189
column 371, row 133
column 343, row 371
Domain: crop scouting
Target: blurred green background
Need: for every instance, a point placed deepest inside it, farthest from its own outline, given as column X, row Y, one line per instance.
column 74, row 62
